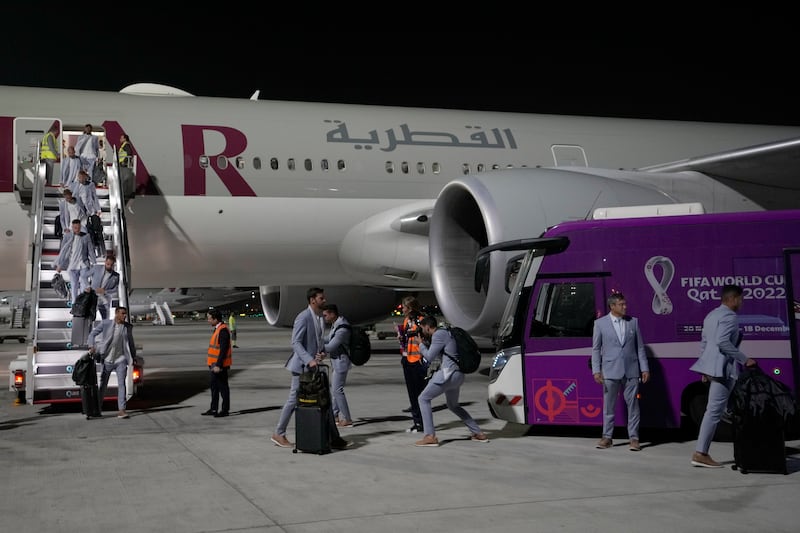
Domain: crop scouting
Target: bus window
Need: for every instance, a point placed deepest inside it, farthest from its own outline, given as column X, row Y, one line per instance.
column 564, row 309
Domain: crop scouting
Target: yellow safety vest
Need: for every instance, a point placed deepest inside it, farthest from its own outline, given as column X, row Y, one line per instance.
column 45, row 152
column 123, row 154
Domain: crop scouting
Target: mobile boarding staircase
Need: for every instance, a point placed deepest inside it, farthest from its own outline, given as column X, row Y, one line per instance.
column 45, row 372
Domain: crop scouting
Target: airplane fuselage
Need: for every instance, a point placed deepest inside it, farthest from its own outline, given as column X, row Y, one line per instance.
column 262, row 192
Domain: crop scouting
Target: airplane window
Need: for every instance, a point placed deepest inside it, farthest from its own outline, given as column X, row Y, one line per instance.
column 495, row 166
column 420, row 168
column 465, row 168
column 324, row 165
column 509, row 165
column 389, row 167
column 203, row 161
column 404, row 167
column 290, row 163
column 480, row 167
column 307, row 164
column 436, row 168
column 240, row 162
column 257, row 163
column 273, row 163
column 340, row 165
column 222, row 162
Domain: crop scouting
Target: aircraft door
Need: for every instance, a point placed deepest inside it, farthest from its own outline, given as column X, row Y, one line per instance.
column 28, row 135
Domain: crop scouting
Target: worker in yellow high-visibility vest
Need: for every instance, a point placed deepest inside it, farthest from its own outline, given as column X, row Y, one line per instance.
column 48, row 152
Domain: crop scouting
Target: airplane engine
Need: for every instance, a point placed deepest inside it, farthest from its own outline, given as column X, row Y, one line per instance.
column 360, row 305
column 390, row 248
column 478, row 210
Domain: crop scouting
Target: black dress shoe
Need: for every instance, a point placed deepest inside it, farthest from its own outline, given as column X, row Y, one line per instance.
column 221, row 414
column 210, row 412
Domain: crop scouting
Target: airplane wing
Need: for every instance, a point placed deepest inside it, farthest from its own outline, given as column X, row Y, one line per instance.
column 755, row 171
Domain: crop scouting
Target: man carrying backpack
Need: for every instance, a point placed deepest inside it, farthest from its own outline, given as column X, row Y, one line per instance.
column 447, row 379
column 336, row 348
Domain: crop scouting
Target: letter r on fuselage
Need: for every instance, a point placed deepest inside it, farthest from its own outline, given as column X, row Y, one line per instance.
column 233, row 144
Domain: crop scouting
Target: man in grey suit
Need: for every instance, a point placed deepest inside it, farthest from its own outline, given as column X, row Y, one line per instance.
column 619, row 360
column 336, row 349
column 719, row 355
column 76, row 256
column 307, row 351
column 104, row 280
column 113, row 340
column 88, row 148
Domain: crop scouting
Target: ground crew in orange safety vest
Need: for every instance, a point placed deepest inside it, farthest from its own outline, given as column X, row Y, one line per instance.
column 219, row 363
column 48, row 152
column 414, row 369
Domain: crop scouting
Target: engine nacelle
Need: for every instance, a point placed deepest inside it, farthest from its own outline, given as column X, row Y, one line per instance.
column 360, row 305
column 478, row 210
column 390, row 248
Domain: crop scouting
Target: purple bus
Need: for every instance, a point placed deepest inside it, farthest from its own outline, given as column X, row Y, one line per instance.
column 671, row 270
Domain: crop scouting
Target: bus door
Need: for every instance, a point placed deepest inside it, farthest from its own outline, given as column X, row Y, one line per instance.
column 559, row 386
column 792, row 262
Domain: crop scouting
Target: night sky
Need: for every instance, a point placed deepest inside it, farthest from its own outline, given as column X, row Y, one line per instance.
column 679, row 74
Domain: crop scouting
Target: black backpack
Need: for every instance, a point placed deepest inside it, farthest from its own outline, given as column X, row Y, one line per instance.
column 314, row 390
column 84, row 371
column 359, row 349
column 757, row 395
column 85, row 305
column 469, row 355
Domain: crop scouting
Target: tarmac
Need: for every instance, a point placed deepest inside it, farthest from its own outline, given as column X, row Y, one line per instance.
column 167, row 468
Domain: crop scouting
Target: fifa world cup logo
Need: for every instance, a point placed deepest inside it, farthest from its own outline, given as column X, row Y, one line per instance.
column 662, row 305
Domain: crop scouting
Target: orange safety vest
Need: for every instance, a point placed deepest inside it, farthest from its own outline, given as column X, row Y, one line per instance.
column 412, row 341
column 213, row 348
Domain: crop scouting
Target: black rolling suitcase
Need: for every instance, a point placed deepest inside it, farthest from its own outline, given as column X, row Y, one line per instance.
column 312, row 424
column 758, row 446
column 761, row 408
column 312, row 430
column 94, row 225
column 90, row 403
column 84, row 373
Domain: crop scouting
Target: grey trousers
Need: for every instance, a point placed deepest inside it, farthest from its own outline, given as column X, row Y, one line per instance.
column 718, row 394
column 610, row 394
column 451, row 389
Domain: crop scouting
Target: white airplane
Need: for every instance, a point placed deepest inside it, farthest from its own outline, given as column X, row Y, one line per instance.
column 167, row 301
column 365, row 201
column 144, row 301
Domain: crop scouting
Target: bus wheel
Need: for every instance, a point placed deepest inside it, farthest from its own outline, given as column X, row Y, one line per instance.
column 697, row 408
